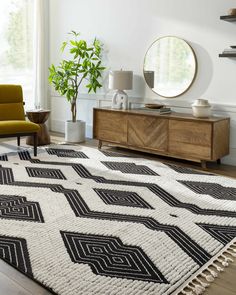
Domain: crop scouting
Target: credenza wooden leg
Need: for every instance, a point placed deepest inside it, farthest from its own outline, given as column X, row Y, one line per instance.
column 99, row 144
column 203, row 164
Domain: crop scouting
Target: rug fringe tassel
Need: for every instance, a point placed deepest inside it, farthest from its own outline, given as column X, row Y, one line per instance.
column 196, row 286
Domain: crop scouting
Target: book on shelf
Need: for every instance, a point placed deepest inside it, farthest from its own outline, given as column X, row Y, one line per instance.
column 230, row 50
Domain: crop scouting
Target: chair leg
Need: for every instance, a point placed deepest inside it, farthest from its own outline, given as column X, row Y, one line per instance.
column 35, row 144
column 18, row 140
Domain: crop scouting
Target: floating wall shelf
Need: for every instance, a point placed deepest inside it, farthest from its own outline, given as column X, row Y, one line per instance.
column 227, row 55
column 228, row 18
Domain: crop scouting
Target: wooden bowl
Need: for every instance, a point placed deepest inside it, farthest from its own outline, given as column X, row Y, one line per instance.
column 153, row 106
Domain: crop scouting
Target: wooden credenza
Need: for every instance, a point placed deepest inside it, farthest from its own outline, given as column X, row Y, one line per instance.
column 174, row 135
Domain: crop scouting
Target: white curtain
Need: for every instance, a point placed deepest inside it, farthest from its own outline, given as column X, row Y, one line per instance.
column 41, row 54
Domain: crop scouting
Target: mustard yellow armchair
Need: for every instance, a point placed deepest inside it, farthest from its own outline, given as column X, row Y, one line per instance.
column 12, row 115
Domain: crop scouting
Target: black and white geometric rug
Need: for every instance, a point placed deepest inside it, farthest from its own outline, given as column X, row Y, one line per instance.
column 83, row 221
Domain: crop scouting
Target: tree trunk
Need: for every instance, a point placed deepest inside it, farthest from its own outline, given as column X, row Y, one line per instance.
column 73, row 110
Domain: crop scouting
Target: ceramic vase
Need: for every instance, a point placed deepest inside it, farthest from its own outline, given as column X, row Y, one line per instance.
column 201, row 108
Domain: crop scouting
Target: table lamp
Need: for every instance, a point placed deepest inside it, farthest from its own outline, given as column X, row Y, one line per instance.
column 120, row 81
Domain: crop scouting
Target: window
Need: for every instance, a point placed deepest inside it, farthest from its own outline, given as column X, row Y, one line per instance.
column 16, row 50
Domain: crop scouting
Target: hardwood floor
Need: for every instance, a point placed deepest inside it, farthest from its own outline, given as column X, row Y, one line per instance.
column 14, row 283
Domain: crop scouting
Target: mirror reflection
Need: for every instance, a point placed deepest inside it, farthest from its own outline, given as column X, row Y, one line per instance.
column 170, row 66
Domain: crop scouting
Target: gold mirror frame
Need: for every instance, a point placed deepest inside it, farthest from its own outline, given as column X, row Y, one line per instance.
column 149, row 79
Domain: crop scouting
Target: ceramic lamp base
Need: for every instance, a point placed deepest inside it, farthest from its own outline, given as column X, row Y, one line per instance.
column 120, row 100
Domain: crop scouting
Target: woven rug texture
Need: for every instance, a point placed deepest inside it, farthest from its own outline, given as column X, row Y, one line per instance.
column 83, row 221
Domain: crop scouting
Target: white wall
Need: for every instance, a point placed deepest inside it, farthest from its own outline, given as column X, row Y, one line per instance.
column 128, row 27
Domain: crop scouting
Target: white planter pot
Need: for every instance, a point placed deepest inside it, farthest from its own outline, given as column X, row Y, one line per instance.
column 75, row 131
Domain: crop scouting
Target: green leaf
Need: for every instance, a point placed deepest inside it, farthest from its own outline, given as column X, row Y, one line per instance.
column 84, row 63
column 72, row 42
column 63, row 46
column 73, row 50
column 74, row 33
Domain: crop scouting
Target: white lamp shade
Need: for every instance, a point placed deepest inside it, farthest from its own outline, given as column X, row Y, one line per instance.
column 120, row 80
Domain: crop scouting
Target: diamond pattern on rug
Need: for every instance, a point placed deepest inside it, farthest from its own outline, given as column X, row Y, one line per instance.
column 14, row 251
column 66, row 153
column 215, row 190
column 18, row 208
column 3, row 158
column 122, row 198
column 24, row 155
column 129, row 168
column 160, row 232
column 174, row 202
column 6, row 175
column 45, row 173
column 114, row 154
column 81, row 209
column 185, row 170
column 108, row 256
column 223, row 234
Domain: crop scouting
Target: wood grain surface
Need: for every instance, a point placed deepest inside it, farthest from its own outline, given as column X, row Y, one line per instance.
column 175, row 135
column 148, row 132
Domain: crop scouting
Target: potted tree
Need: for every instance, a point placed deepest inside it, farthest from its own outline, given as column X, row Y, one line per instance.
column 84, row 66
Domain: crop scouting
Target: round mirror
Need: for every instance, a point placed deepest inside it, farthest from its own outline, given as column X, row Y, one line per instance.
column 170, row 66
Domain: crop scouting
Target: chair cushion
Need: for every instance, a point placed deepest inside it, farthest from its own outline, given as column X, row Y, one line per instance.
column 15, row 127
column 10, row 93
column 11, row 111
column 11, row 103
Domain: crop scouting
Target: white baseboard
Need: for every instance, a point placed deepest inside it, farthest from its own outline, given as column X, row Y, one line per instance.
column 59, row 126
column 231, row 158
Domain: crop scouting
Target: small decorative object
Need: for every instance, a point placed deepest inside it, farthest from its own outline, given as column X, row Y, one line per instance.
column 85, row 65
column 201, row 108
column 154, row 106
column 120, row 81
column 231, row 50
column 232, row 11
column 162, row 110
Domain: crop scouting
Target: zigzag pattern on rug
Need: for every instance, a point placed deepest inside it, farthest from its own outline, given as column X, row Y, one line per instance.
column 114, row 226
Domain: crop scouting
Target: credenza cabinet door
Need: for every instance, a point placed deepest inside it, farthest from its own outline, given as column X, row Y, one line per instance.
column 110, row 126
column 190, row 139
column 148, row 132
